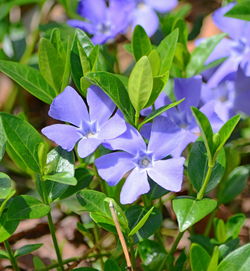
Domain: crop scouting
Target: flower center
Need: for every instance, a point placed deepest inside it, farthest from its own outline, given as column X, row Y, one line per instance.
column 144, row 160
column 104, row 28
column 141, row 5
column 239, row 47
column 88, row 130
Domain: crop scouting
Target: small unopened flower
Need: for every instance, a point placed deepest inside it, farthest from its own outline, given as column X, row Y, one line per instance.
column 143, row 161
column 89, row 128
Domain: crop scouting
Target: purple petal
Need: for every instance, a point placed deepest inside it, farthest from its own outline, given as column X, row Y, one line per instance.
column 94, row 11
column 162, row 5
column 147, row 18
column 112, row 128
column 131, row 141
column 135, row 185
column 86, row 146
column 64, row 135
column 190, row 89
column 163, row 139
column 100, row 105
column 69, row 107
column 168, row 173
column 100, row 38
column 112, row 167
column 82, row 25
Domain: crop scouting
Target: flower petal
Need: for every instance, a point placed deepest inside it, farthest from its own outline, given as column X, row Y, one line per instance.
column 190, row 89
column 112, row 167
column 112, row 128
column 147, row 18
column 162, row 5
column 168, row 173
column 69, row 107
column 82, row 25
column 131, row 141
column 64, row 135
column 87, row 145
column 135, row 185
column 101, row 106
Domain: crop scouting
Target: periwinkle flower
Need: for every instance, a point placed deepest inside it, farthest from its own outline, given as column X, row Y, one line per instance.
column 89, row 128
column 145, row 14
column 142, row 161
column 236, row 48
column 103, row 22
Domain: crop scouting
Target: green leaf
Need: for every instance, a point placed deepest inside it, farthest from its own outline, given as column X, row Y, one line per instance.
column 201, row 54
column 5, row 185
column 141, row 44
column 7, row 228
column 153, row 255
column 220, row 230
column 234, row 225
column 189, row 211
column 199, row 258
column 26, row 207
column 158, row 112
column 2, row 141
column 140, row 84
column 85, row 63
column 233, row 185
column 38, row 263
column 226, row 131
column 27, row 249
column 166, row 50
column 240, row 11
column 214, row 260
column 238, row 260
column 206, row 130
column 23, row 139
column 198, row 166
column 30, row 79
column 115, row 89
column 61, row 177
column 51, row 65
column 155, row 62
column 3, row 254
column 136, row 213
column 141, row 223
column 111, row 264
column 228, row 247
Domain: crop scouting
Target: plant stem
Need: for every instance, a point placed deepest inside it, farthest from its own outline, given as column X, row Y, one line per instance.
column 202, row 191
column 53, row 234
column 209, row 223
column 11, row 255
column 176, row 242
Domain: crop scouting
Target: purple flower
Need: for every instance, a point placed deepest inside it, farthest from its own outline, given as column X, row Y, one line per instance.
column 230, row 97
column 90, row 127
column 142, row 161
column 145, row 13
column 103, row 22
column 182, row 126
column 236, row 48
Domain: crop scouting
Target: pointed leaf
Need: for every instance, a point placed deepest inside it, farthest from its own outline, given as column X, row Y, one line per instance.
column 5, row 185
column 27, row 249
column 199, row 258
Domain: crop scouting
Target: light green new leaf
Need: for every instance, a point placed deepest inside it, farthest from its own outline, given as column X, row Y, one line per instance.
column 140, row 84
column 199, row 258
column 30, row 79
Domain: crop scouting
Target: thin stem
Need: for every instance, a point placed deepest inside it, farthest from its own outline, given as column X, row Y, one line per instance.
column 121, row 237
column 209, row 223
column 11, row 255
column 137, row 115
column 202, row 191
column 176, row 242
column 53, row 234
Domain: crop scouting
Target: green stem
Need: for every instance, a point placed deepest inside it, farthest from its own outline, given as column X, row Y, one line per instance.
column 56, row 246
column 137, row 115
column 209, row 223
column 202, row 191
column 11, row 255
column 176, row 242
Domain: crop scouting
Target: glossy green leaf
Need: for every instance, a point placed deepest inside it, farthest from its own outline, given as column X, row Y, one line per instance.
column 199, row 258
column 240, row 11
column 220, row 230
column 4, row 254
column 30, row 79
column 141, row 44
column 136, row 213
column 115, row 89
column 140, row 84
column 141, row 223
column 214, row 260
column 85, row 63
column 158, row 112
column 201, row 54
column 206, row 130
column 27, row 249
column 233, row 185
column 26, row 207
column 189, row 211
column 2, row 141
column 166, row 50
column 51, row 65
column 153, row 255
column 7, row 228
column 238, row 260
column 228, row 247
column 234, row 225
column 23, row 139
column 5, row 185
column 198, row 166
column 155, row 62
column 61, row 177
